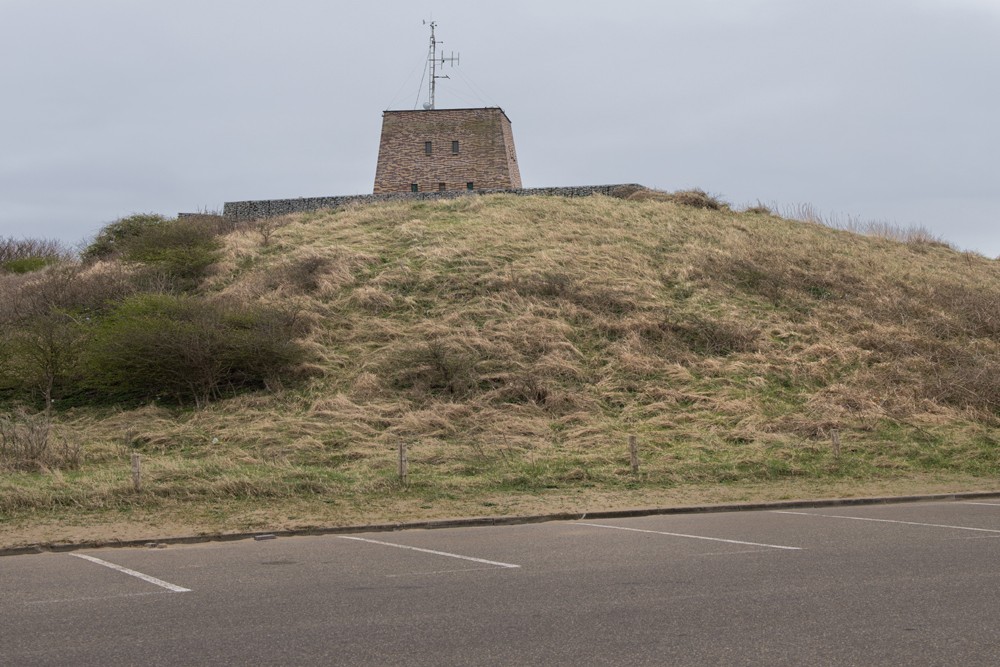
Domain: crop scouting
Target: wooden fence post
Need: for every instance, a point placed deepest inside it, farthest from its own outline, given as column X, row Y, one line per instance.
column 137, row 471
column 633, row 453
column 404, row 464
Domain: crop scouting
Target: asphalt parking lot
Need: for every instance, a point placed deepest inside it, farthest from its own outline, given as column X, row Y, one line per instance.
column 888, row 584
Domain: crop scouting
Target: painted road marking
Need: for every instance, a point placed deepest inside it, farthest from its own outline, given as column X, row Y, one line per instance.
column 133, row 573
column 987, row 504
column 429, row 551
column 693, row 537
column 908, row 523
column 92, row 598
column 422, row 574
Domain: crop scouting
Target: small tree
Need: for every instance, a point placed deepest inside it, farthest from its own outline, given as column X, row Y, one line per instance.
column 43, row 353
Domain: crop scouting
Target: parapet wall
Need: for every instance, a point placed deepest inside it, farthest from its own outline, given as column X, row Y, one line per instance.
column 239, row 211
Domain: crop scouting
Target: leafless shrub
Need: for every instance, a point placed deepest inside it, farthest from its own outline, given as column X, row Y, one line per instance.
column 266, row 227
column 437, row 365
column 976, row 308
column 758, row 209
column 627, row 191
column 27, row 442
column 647, row 194
column 305, row 273
column 697, row 198
column 716, row 337
column 11, row 249
column 970, row 379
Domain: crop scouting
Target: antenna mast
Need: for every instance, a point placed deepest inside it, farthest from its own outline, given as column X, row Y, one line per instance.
column 432, row 59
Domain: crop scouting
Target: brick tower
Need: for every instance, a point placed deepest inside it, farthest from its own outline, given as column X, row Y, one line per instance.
column 446, row 149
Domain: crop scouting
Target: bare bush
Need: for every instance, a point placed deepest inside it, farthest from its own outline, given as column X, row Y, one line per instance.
column 626, row 191
column 759, row 209
column 306, row 273
column 266, row 227
column 27, row 442
column 13, row 249
column 697, row 198
column 970, row 379
column 716, row 337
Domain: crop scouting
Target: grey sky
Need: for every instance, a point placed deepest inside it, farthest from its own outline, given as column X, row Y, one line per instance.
column 882, row 109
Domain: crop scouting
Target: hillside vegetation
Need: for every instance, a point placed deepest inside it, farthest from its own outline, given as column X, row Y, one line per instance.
column 513, row 344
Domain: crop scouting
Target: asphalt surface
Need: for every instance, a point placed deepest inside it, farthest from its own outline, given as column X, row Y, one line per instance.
column 914, row 584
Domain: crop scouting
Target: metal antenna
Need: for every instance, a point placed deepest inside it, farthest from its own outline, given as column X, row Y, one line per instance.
column 432, row 59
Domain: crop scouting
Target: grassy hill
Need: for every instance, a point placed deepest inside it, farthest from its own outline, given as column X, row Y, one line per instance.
column 514, row 344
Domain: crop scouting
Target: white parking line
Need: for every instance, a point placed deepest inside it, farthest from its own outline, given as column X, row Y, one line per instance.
column 968, row 502
column 908, row 523
column 429, row 551
column 133, row 573
column 693, row 537
column 93, row 598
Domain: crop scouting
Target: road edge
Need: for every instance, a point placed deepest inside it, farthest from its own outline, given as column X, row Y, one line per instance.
column 470, row 522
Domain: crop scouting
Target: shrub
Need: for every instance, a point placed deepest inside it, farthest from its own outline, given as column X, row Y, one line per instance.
column 41, row 355
column 190, row 350
column 27, row 264
column 626, row 191
column 113, row 236
column 182, row 249
column 29, row 255
column 716, row 337
column 28, row 443
column 11, row 249
column 698, row 199
column 759, row 209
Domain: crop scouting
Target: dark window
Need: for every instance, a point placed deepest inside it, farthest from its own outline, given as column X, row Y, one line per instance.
column 427, row 148
column 454, row 148
column 414, row 187
column 469, row 186
column 441, row 186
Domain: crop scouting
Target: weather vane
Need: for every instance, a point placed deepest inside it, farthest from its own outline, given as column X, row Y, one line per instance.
column 433, row 62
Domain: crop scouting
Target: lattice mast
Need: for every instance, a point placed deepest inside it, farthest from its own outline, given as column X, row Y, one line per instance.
column 433, row 61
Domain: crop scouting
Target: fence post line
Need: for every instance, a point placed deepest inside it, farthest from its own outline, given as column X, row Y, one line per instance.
column 633, row 453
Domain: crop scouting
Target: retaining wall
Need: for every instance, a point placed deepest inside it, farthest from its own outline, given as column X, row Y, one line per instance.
column 239, row 211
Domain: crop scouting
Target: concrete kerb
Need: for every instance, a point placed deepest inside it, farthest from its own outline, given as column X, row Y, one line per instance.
column 473, row 522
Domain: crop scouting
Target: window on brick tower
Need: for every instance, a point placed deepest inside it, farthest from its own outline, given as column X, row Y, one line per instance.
column 470, row 186
column 414, row 187
column 441, row 186
column 427, row 148
column 454, row 148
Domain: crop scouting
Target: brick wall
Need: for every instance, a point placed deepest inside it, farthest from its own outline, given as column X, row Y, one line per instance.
column 485, row 155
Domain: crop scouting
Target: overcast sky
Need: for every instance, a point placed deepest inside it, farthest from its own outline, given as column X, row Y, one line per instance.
column 886, row 110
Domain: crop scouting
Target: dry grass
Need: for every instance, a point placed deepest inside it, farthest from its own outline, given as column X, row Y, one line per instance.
column 514, row 343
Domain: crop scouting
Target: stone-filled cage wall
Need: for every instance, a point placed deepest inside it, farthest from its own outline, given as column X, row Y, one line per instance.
column 446, row 150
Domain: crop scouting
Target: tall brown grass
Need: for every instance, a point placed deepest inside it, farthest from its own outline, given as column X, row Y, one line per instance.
column 514, row 343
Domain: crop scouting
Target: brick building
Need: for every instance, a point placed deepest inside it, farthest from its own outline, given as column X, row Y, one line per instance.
column 446, row 149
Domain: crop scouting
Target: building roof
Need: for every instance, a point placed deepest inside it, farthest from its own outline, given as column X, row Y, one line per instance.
column 387, row 111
